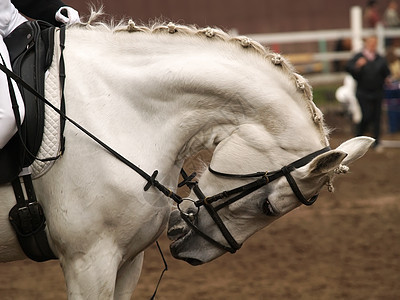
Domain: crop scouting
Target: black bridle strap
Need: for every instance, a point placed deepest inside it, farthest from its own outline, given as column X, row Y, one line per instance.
column 306, row 159
column 246, row 190
column 266, row 177
column 240, row 192
column 286, row 172
column 225, row 232
column 276, row 174
column 205, row 236
column 203, row 201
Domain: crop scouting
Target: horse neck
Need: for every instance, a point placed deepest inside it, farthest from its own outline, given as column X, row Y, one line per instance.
column 184, row 94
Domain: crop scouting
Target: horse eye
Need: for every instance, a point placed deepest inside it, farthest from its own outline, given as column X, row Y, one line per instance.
column 268, row 209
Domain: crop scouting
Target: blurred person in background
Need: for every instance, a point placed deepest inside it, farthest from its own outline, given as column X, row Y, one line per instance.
column 394, row 64
column 391, row 16
column 371, row 14
column 371, row 72
column 391, row 20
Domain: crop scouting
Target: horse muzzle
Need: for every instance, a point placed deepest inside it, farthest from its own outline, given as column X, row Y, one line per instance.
column 178, row 232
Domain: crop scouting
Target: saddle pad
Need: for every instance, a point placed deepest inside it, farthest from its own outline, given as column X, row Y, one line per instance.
column 50, row 145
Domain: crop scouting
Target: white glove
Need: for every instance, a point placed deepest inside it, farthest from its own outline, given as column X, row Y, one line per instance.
column 72, row 15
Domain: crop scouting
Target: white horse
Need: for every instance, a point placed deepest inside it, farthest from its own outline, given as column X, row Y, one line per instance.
column 157, row 96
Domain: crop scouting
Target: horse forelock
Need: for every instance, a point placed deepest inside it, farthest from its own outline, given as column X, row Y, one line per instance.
column 275, row 59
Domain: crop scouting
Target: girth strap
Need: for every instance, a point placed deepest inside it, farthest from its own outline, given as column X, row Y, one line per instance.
column 28, row 220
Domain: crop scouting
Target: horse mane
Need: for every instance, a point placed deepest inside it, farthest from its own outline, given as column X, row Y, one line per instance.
column 158, row 27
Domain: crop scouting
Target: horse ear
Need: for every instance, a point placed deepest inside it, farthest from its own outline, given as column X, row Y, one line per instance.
column 355, row 148
column 345, row 154
column 326, row 162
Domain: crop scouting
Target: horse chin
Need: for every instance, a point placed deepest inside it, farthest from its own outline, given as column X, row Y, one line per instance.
column 182, row 249
column 179, row 251
column 193, row 261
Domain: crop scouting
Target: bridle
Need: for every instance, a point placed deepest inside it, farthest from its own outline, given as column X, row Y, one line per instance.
column 235, row 194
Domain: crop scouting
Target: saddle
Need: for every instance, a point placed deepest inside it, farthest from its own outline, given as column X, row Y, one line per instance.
column 31, row 47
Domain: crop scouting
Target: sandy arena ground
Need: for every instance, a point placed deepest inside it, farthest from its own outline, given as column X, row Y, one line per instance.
column 345, row 246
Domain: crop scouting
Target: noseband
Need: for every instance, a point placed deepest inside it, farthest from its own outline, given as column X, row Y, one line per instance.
column 237, row 193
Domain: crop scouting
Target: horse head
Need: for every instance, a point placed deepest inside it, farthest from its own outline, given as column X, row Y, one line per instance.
column 201, row 233
column 272, row 153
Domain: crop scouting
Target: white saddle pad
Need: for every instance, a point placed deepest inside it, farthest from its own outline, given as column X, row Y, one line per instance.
column 50, row 146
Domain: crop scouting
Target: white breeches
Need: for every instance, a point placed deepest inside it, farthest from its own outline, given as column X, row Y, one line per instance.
column 9, row 20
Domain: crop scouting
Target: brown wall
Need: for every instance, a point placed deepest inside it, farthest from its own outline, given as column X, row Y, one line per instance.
column 247, row 16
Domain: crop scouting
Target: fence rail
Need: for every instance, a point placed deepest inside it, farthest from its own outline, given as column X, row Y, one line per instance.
column 318, row 35
column 321, row 61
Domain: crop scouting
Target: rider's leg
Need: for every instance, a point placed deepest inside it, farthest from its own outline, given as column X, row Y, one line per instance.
column 9, row 20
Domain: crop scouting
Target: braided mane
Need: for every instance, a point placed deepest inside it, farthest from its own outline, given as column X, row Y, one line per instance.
column 246, row 43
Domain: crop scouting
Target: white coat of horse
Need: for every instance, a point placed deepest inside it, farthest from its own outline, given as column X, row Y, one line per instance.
column 158, row 96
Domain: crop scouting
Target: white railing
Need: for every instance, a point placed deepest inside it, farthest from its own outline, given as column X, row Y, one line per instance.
column 301, row 36
column 355, row 33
